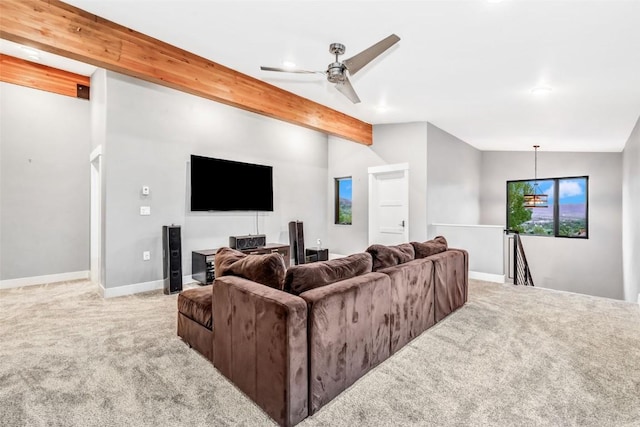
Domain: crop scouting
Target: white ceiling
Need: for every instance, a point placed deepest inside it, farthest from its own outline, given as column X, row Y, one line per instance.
column 466, row 66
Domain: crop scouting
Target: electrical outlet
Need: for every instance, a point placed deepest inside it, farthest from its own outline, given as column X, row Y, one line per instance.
column 145, row 210
column 146, row 256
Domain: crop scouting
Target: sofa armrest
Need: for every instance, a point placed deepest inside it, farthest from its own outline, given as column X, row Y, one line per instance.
column 348, row 333
column 451, row 281
column 260, row 344
column 465, row 277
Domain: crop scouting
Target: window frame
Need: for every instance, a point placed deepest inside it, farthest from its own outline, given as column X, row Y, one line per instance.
column 336, row 200
column 556, row 205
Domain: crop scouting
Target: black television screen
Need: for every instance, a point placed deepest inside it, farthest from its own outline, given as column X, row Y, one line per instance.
column 226, row 185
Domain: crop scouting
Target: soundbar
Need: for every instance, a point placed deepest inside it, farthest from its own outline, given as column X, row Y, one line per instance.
column 247, row 242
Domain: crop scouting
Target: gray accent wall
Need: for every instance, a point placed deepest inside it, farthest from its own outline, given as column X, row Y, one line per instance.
column 590, row 266
column 453, row 180
column 631, row 215
column 392, row 144
column 45, row 140
column 407, row 143
column 349, row 159
column 151, row 131
column 444, row 179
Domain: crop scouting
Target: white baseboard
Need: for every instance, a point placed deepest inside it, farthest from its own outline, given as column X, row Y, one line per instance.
column 487, row 277
column 134, row 288
column 137, row 288
column 41, row 280
column 188, row 279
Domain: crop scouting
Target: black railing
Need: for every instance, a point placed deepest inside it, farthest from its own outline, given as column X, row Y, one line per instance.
column 520, row 274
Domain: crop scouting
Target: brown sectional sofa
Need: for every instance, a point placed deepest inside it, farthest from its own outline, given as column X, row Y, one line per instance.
column 294, row 344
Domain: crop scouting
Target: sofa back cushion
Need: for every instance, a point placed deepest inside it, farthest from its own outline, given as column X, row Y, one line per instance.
column 430, row 247
column 301, row 278
column 387, row 256
column 348, row 333
column 267, row 269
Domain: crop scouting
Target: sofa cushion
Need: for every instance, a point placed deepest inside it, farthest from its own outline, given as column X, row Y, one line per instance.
column 301, row 278
column 266, row 269
column 195, row 303
column 430, row 247
column 387, row 256
column 412, row 300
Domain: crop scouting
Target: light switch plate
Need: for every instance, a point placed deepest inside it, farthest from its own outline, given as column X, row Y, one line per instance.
column 145, row 210
column 146, row 256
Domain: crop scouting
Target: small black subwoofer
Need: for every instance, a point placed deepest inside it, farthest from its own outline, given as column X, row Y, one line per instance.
column 172, row 263
column 247, row 242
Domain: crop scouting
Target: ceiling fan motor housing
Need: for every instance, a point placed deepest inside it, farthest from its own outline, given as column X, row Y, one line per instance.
column 335, row 72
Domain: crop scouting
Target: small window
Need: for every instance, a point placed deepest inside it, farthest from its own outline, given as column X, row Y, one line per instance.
column 565, row 214
column 343, row 200
column 572, row 207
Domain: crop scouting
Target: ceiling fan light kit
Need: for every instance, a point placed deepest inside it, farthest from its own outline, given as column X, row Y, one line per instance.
column 336, row 72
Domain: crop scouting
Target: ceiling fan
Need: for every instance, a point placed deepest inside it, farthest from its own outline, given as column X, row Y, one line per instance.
column 337, row 71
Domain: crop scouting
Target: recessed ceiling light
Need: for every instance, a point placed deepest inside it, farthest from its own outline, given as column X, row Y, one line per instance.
column 541, row 90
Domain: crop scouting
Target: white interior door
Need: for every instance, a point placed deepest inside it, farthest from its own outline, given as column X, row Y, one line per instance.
column 389, row 204
column 96, row 216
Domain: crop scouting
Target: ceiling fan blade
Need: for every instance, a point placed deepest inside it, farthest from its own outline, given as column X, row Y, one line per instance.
column 289, row 70
column 355, row 63
column 347, row 90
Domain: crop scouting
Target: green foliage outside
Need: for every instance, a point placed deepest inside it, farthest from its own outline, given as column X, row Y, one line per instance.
column 344, row 212
column 572, row 228
column 517, row 213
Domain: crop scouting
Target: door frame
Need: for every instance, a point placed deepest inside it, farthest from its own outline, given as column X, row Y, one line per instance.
column 96, row 264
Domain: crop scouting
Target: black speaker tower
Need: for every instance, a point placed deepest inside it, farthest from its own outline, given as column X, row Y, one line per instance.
column 172, row 263
column 296, row 240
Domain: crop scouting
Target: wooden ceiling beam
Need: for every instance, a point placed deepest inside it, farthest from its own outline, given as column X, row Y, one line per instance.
column 57, row 27
column 37, row 76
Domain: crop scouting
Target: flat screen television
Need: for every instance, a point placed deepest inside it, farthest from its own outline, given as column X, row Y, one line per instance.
column 226, row 185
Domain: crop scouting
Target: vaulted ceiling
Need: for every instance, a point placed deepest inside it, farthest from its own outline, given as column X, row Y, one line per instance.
column 468, row 67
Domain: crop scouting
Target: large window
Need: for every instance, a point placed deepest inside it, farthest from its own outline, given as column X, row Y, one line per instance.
column 565, row 215
column 343, row 200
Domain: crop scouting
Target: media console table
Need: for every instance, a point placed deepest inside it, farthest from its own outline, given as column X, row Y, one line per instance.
column 202, row 262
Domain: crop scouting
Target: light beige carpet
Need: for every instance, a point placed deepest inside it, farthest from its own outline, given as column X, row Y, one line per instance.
column 512, row 356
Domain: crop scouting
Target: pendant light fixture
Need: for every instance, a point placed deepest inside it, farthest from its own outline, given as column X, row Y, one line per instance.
column 536, row 199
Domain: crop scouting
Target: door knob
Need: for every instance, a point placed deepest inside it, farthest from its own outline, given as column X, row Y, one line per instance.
column 402, row 223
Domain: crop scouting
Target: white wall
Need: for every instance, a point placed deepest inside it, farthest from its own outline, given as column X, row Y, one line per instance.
column 484, row 244
column 151, row 131
column 453, row 180
column 631, row 215
column 590, row 266
column 44, row 183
